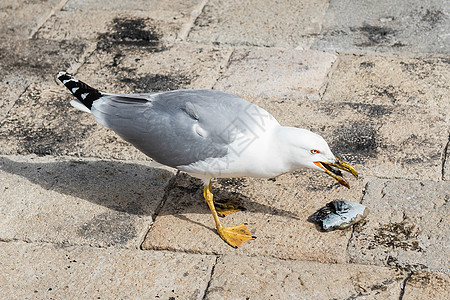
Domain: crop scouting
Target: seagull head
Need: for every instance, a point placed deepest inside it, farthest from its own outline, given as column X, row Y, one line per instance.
column 312, row 151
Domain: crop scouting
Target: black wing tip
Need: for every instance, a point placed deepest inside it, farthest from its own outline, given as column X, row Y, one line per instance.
column 83, row 92
column 64, row 76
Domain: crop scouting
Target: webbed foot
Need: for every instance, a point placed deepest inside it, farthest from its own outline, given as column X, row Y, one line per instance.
column 236, row 235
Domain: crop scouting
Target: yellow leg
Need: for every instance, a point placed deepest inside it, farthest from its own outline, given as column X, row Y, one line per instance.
column 234, row 236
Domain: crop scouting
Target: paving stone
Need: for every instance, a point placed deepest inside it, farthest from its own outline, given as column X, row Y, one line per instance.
column 276, row 73
column 237, row 277
column 183, row 6
column 36, row 271
column 10, row 91
column 20, row 18
column 38, row 59
column 424, row 285
column 78, row 201
column 381, row 80
column 126, row 69
column 386, row 26
column 30, row 61
column 44, row 123
column 397, row 147
column 408, row 226
column 126, row 27
column 267, row 23
column 277, row 213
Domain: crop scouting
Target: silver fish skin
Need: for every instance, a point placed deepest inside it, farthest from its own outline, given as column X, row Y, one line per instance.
column 340, row 214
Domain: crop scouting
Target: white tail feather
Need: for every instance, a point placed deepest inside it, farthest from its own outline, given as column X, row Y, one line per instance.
column 78, row 105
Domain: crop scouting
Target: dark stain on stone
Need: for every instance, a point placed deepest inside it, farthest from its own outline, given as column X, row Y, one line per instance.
column 322, row 186
column 334, row 33
column 140, row 32
column 57, row 133
column 356, row 142
column 228, row 189
column 409, row 67
column 399, row 45
column 385, row 91
column 132, row 30
column 157, row 82
column 401, row 235
column 420, row 69
column 186, row 185
column 393, row 262
column 420, row 158
column 422, row 278
column 34, row 60
column 370, row 110
column 354, row 296
column 367, row 64
column 116, row 59
column 374, row 35
column 432, row 17
column 114, row 228
column 44, row 141
column 412, row 160
column 232, row 182
column 120, row 68
column 382, row 286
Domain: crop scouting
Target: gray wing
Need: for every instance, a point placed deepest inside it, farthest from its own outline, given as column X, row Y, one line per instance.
column 174, row 128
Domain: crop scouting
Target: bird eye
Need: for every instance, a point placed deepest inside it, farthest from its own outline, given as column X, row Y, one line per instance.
column 314, row 151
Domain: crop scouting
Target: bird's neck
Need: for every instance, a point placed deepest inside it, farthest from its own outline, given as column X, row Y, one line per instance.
column 281, row 157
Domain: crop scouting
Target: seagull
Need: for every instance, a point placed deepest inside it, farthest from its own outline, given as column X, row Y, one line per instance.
column 208, row 134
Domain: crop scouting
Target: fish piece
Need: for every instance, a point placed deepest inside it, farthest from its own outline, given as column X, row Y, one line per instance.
column 339, row 214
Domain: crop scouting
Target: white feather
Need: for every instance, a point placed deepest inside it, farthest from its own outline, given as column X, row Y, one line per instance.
column 78, row 105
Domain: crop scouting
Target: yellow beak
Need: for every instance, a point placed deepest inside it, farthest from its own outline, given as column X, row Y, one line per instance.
column 336, row 174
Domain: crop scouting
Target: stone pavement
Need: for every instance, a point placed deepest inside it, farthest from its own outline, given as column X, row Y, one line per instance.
column 85, row 215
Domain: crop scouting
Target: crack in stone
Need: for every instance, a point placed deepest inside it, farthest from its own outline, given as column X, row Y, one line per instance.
column 195, row 14
column 168, row 189
column 158, row 209
column 87, row 53
column 58, row 7
column 403, row 286
column 227, row 65
column 60, row 244
column 444, row 158
column 181, row 250
column 350, row 260
column 210, row 278
column 382, row 192
column 324, row 88
column 2, row 121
